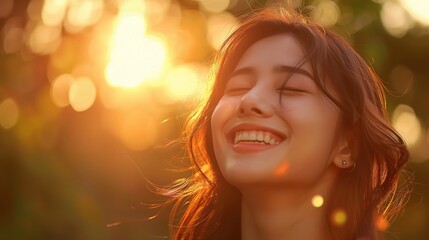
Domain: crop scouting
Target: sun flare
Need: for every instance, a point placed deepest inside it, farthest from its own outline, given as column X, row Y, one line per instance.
column 135, row 56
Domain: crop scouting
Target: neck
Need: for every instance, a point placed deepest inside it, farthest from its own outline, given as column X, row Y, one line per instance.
column 283, row 213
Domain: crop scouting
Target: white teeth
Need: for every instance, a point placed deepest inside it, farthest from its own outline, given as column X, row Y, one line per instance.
column 256, row 137
column 260, row 136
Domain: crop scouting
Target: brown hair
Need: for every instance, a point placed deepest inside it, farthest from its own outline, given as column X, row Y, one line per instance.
column 209, row 207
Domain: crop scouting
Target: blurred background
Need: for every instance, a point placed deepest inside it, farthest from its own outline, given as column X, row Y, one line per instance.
column 93, row 91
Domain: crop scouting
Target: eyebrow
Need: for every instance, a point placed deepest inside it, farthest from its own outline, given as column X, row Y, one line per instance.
column 277, row 69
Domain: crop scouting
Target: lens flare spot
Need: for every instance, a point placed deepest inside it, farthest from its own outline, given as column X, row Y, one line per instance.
column 60, row 88
column 339, row 217
column 381, row 223
column 8, row 113
column 82, row 94
column 281, row 170
column 407, row 124
column 317, row 201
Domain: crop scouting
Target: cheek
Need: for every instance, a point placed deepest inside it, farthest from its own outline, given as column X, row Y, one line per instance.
column 224, row 111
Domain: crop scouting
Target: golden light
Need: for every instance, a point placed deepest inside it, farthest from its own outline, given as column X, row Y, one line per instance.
column 135, row 57
column 156, row 10
column 317, row 201
column 83, row 13
column 125, row 98
column 219, row 27
column 418, row 9
column 214, row 6
column 405, row 121
column 8, row 113
column 53, row 12
column 60, row 88
column 339, row 217
column 182, row 82
column 326, row 12
column 138, row 130
column 394, row 18
column 44, row 39
column 82, row 94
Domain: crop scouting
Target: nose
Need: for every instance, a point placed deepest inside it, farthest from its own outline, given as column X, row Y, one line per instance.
column 255, row 104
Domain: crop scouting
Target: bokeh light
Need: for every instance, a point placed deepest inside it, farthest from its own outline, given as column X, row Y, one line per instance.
column 418, row 9
column 13, row 40
column 326, row 12
column 405, row 121
column 135, row 57
column 394, row 18
column 214, row 6
column 6, row 7
column 83, row 13
column 60, row 89
column 381, row 223
column 339, row 217
column 53, row 12
column 44, row 39
column 317, row 201
column 8, row 113
column 82, row 94
column 182, row 82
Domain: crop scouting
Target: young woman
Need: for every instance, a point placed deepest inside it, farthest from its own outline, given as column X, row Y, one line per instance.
column 293, row 141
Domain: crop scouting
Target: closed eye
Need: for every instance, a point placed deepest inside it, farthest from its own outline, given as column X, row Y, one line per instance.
column 288, row 90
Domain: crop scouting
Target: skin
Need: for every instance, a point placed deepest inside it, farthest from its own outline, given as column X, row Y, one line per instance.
column 279, row 179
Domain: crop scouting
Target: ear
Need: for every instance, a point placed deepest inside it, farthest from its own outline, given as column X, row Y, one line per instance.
column 343, row 155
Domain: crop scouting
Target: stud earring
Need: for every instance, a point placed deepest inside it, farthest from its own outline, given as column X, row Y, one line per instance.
column 343, row 163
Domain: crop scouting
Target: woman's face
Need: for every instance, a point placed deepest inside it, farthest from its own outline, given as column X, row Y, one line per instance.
column 258, row 139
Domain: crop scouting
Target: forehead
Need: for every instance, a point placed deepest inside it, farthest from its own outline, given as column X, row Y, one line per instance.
column 282, row 49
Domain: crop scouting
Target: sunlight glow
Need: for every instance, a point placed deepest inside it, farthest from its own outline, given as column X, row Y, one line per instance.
column 317, row 201
column 182, row 82
column 138, row 130
column 82, row 94
column 219, row 27
column 8, row 113
column 135, row 57
column 405, row 121
column 339, row 217
column 418, row 9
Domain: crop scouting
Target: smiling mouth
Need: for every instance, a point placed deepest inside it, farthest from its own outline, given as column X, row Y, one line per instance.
column 256, row 137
